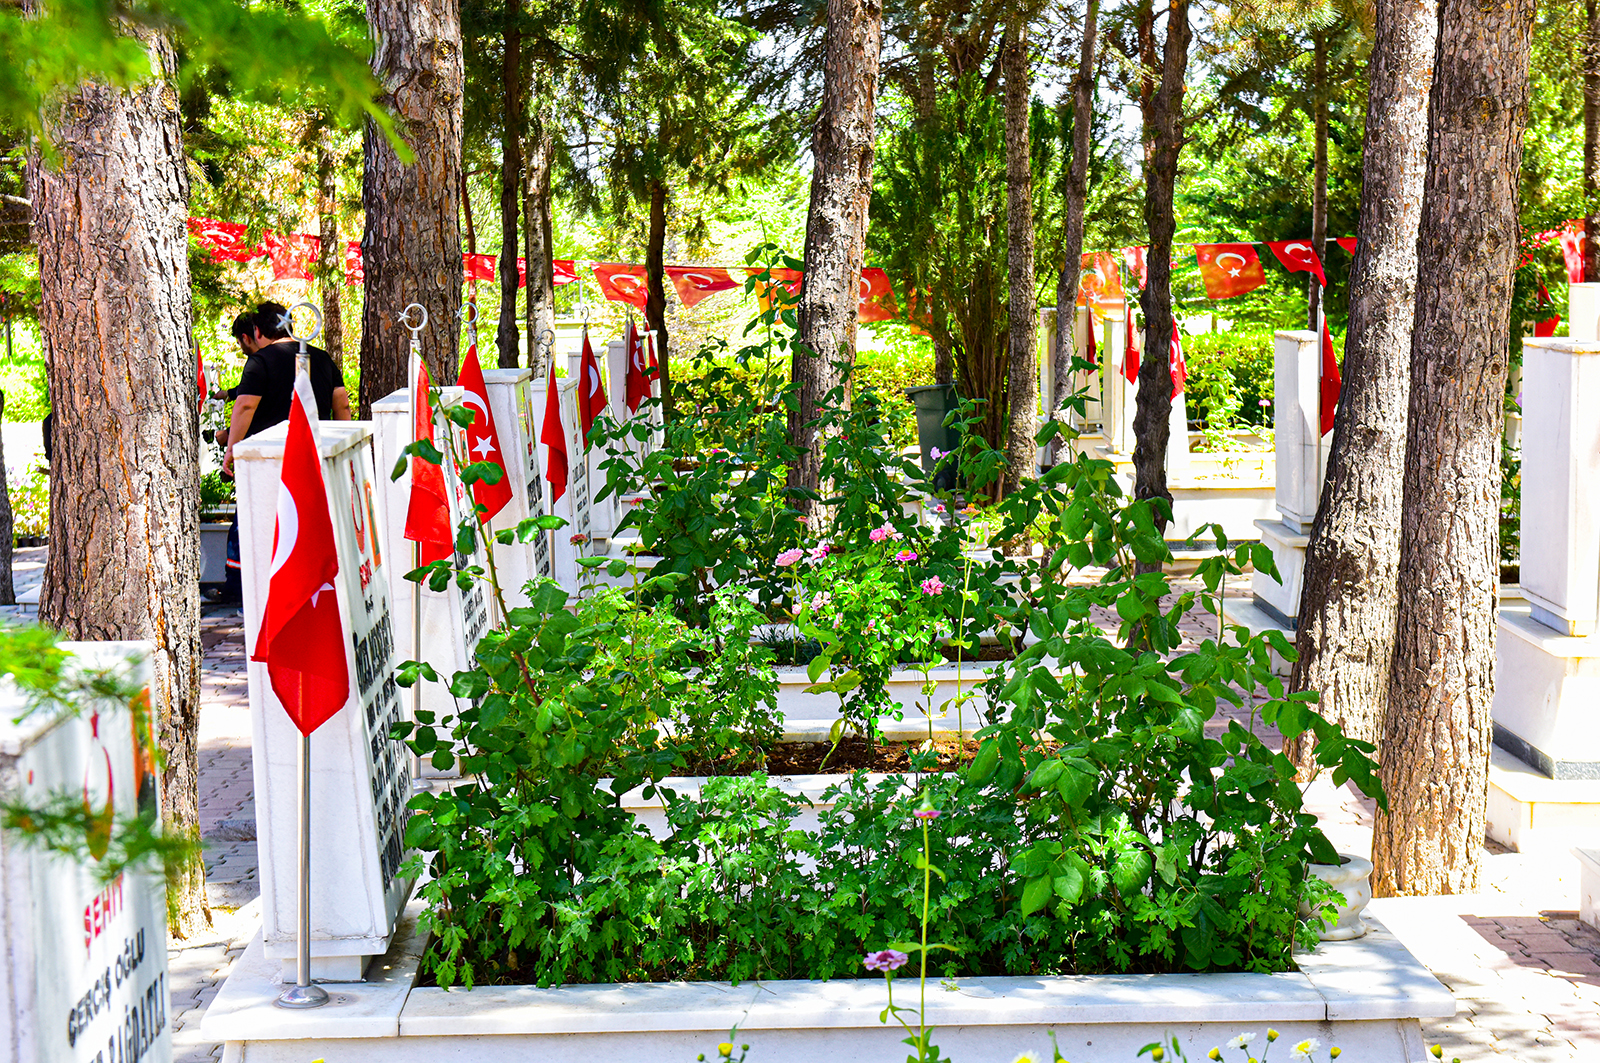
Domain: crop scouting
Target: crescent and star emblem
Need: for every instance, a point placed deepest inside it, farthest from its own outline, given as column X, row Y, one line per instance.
column 288, row 531
column 1233, row 271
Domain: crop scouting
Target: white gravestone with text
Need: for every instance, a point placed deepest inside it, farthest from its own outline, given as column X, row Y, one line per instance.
column 360, row 777
column 85, row 973
column 452, row 619
column 511, row 398
column 1301, row 462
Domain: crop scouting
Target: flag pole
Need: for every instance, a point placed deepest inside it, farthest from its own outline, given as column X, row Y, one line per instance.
column 418, row 784
column 304, row 994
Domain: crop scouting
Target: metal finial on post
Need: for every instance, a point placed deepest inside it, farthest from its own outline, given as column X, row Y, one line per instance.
column 302, row 359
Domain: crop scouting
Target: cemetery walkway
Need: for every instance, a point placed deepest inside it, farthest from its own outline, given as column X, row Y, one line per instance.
column 1526, row 973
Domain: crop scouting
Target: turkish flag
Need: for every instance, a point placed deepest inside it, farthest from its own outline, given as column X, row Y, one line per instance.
column 877, row 297
column 200, row 358
column 554, row 437
column 1328, row 381
column 483, row 437
column 621, row 283
column 478, row 267
column 1133, row 258
column 694, row 283
column 1130, row 347
column 563, row 271
column 1298, row 256
column 354, row 272
column 1229, row 269
column 652, row 367
column 789, row 278
column 1089, row 353
column 1101, row 281
column 1348, row 243
column 223, row 239
column 428, row 510
column 637, row 380
column 1572, row 254
column 291, row 255
column 302, row 634
column 591, row 390
column 1180, row 370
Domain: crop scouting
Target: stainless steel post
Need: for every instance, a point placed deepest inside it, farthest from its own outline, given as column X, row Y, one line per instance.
column 303, row 994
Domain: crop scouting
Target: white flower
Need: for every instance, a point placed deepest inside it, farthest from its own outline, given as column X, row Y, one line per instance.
column 1242, row 1040
column 1026, row 1057
column 1301, row 1053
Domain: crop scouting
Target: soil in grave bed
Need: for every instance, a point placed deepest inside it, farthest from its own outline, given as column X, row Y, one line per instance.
column 855, row 754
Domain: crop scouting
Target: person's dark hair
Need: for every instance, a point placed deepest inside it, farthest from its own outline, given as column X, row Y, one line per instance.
column 273, row 320
column 244, row 325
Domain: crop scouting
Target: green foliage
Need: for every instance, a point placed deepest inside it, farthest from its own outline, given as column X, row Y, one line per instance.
column 29, row 492
column 265, row 50
column 1230, row 384
column 215, row 491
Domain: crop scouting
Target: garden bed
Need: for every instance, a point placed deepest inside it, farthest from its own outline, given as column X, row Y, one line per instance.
column 1366, row 996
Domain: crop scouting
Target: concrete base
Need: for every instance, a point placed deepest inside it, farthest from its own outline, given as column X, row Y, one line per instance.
column 1281, row 600
column 1547, row 696
column 1530, row 812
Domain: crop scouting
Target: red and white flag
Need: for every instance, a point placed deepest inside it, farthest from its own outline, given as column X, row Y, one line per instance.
column 622, row 283
column 637, row 382
column 694, row 283
column 1298, row 256
column 1348, row 243
column 1329, row 382
column 302, row 633
column 204, row 392
column 1130, row 347
column 1180, row 370
column 876, row 300
column 591, row 391
column 554, row 436
column 1229, row 269
column 1133, row 259
column 428, row 510
column 483, row 437
column 652, row 367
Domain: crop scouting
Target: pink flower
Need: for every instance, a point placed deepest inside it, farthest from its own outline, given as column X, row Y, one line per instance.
column 818, row 553
column 935, row 453
column 803, row 519
column 932, row 585
column 789, row 557
column 578, row 539
column 939, row 508
column 906, row 555
column 878, row 535
column 926, row 813
column 887, row 960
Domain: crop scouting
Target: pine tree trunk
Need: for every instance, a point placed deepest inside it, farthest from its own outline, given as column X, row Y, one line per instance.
column 1591, row 141
column 330, row 251
column 411, row 249
column 1345, row 638
column 836, row 224
column 1163, row 126
column 1077, row 196
column 541, row 307
column 507, row 336
column 114, row 316
column 1319, row 171
column 8, row 588
column 1437, row 731
column 1022, row 373
column 655, row 306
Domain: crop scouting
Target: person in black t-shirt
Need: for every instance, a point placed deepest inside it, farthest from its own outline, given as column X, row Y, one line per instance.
column 266, row 387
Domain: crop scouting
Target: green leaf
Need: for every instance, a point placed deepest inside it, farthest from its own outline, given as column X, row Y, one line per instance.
column 1036, row 894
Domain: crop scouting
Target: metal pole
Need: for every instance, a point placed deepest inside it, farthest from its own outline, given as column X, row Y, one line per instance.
column 303, row 994
column 418, row 783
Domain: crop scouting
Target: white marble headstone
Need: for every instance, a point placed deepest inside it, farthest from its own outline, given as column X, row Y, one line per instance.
column 360, row 777
column 1297, row 427
column 519, row 562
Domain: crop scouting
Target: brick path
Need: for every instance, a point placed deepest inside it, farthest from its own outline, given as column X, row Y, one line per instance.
column 1525, row 971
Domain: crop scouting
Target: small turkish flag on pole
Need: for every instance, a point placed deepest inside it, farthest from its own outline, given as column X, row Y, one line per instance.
column 428, row 509
column 1180, row 371
column 554, row 436
column 1298, row 256
column 202, row 360
column 1130, row 346
column 302, row 634
column 483, row 436
column 1329, row 382
column 591, row 390
column 638, row 377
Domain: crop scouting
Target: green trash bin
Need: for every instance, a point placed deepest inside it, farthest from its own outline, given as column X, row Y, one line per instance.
column 934, row 402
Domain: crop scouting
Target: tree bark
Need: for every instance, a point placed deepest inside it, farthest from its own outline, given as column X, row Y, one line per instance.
column 1022, row 371
column 1319, row 171
column 655, row 306
column 119, row 356
column 8, row 588
column 411, row 249
column 508, row 335
column 1345, row 638
column 330, row 251
column 1437, row 731
column 541, row 308
column 836, row 223
column 1163, row 128
column 1077, row 196
column 1591, row 141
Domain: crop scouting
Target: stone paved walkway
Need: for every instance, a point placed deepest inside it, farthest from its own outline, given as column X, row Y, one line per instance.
column 1525, row 971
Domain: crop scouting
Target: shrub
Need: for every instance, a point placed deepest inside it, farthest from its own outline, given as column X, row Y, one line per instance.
column 1230, row 379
